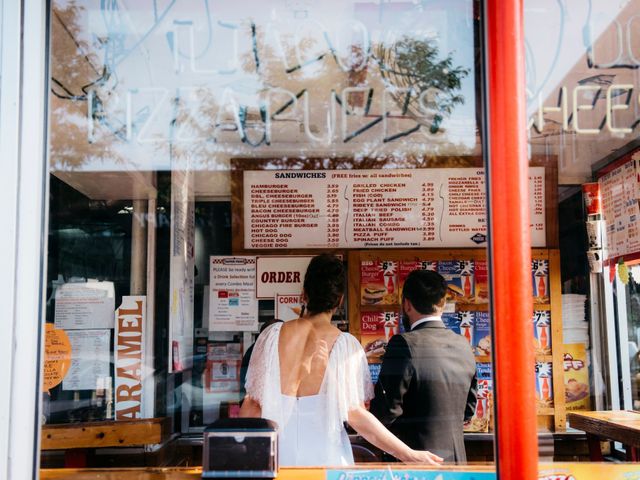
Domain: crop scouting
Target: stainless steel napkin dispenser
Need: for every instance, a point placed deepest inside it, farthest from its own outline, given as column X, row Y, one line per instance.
column 240, row 448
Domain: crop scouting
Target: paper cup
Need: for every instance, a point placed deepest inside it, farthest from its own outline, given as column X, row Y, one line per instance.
column 592, row 198
column 594, row 234
column 595, row 260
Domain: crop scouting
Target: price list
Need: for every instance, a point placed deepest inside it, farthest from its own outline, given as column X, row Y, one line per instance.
column 537, row 205
column 371, row 208
column 333, row 215
column 428, row 212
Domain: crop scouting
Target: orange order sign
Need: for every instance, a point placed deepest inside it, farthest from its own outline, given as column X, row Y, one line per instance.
column 57, row 357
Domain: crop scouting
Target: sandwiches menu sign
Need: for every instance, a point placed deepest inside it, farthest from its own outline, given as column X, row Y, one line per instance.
column 430, row 207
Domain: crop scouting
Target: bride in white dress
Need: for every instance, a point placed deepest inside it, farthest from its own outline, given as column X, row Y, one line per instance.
column 310, row 378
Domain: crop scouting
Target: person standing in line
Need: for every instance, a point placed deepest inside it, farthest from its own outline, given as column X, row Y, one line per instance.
column 427, row 384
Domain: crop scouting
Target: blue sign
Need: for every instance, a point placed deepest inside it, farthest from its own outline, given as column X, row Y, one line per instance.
column 479, row 238
column 389, row 474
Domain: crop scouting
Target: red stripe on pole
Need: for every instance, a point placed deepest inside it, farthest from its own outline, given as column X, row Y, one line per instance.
column 517, row 443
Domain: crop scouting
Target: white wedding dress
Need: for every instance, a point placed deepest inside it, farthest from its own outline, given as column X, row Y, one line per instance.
column 311, row 428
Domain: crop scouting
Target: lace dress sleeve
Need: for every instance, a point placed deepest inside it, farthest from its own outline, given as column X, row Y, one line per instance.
column 263, row 375
column 349, row 381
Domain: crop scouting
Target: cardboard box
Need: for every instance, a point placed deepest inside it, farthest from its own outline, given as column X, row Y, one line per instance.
column 576, row 377
column 542, row 332
column 460, row 278
column 376, row 328
column 378, row 282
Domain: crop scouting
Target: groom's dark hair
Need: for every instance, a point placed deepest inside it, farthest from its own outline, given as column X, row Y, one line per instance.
column 324, row 283
column 424, row 289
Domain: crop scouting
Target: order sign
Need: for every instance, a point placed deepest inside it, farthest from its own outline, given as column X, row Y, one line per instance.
column 434, row 207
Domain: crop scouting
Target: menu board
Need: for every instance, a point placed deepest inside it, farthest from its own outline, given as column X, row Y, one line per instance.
column 621, row 211
column 435, row 207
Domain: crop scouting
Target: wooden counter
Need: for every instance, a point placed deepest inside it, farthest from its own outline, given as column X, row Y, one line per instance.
column 193, row 473
column 105, row 434
column 579, row 471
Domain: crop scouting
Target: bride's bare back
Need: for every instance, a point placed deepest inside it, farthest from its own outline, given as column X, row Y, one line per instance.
column 304, row 348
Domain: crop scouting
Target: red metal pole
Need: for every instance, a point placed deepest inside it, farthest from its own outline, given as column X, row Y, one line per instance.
column 510, row 243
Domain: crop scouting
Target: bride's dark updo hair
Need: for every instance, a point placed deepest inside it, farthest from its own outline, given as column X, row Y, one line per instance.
column 324, row 283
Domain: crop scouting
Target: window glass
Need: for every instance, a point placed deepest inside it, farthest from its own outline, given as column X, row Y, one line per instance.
column 582, row 104
column 202, row 153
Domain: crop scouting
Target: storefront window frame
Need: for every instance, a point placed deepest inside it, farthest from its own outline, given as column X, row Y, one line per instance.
column 23, row 117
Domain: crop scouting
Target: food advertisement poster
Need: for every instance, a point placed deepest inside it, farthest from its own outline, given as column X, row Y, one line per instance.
column 288, row 307
column 481, row 281
column 233, row 305
column 481, row 419
column 451, row 320
column 374, row 371
column 376, row 328
column 482, row 334
column 403, row 208
column 540, row 280
column 405, row 267
column 460, row 278
column 542, row 332
column 378, row 282
column 544, row 384
column 576, row 377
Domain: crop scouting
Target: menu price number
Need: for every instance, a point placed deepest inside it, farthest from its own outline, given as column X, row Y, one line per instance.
column 333, row 215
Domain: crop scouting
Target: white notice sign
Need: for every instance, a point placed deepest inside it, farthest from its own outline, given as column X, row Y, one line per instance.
column 83, row 305
column 288, row 307
column 90, row 357
column 232, row 294
column 431, row 207
column 129, row 357
column 281, row 275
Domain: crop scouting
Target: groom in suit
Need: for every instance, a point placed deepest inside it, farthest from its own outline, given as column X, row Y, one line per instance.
column 427, row 385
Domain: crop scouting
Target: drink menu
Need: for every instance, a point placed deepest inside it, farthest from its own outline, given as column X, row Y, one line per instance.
column 436, row 207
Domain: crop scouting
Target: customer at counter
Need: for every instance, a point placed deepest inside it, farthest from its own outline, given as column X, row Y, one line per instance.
column 310, row 378
column 427, row 384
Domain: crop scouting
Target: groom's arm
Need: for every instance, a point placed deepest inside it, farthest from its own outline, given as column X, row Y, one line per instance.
column 395, row 378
